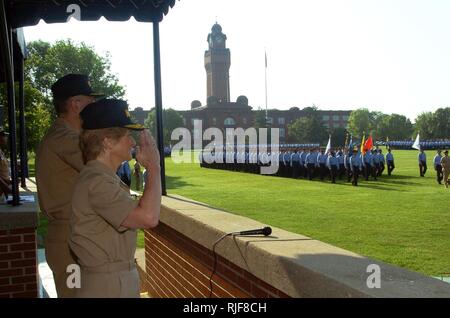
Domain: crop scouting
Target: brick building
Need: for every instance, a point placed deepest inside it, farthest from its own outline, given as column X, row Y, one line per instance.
column 222, row 113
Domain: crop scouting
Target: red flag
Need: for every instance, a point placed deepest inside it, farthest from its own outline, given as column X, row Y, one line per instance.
column 368, row 144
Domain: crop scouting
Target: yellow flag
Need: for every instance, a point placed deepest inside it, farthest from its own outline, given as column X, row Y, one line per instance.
column 362, row 143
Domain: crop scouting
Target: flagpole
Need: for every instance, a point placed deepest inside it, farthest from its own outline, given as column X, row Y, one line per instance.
column 265, row 79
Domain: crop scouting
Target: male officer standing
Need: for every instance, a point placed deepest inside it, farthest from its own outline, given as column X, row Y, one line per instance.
column 382, row 162
column 332, row 164
column 322, row 163
column 390, row 161
column 58, row 163
column 422, row 162
column 356, row 166
column 310, row 162
column 437, row 166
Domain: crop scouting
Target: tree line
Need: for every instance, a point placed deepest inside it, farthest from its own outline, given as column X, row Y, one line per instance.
column 431, row 125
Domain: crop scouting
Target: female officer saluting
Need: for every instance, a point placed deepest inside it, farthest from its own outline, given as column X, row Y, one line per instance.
column 105, row 217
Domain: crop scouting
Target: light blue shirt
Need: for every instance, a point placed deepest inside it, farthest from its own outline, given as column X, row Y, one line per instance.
column 322, row 159
column 375, row 158
column 368, row 158
column 437, row 160
column 389, row 157
column 332, row 161
column 422, row 157
column 310, row 158
column 355, row 162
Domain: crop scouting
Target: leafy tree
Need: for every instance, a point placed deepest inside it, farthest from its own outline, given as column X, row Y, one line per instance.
column 441, row 118
column 171, row 120
column 434, row 125
column 376, row 118
column 37, row 116
column 360, row 121
column 48, row 62
column 425, row 125
column 309, row 128
column 396, row 127
column 259, row 120
column 338, row 136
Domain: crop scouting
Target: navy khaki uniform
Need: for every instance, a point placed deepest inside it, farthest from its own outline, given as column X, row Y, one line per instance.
column 58, row 163
column 105, row 249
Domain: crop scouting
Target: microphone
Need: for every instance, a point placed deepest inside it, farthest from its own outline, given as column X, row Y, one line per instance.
column 264, row 231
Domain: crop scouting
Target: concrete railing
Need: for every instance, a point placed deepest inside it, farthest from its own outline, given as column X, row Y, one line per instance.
column 179, row 261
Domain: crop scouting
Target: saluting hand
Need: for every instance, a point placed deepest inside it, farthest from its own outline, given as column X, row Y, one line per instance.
column 147, row 153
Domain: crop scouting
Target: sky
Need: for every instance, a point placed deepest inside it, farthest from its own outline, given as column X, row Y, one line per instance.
column 391, row 56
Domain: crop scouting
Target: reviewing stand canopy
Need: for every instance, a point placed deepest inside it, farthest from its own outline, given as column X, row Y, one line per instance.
column 15, row 14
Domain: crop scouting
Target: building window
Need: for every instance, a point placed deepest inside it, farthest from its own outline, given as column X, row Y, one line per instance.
column 335, row 117
column 229, row 122
column 325, row 117
column 345, row 117
column 327, row 125
column 244, row 120
column 282, row 133
column 269, row 120
column 336, row 125
column 281, row 121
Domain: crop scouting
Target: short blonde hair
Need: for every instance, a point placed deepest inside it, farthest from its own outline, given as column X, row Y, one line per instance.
column 91, row 141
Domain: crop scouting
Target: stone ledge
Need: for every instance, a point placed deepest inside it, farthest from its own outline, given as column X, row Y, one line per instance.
column 297, row 265
column 21, row 216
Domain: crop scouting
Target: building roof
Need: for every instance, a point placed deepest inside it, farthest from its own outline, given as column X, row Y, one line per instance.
column 22, row 13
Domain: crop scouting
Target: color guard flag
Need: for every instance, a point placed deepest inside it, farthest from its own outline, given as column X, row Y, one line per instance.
column 328, row 148
column 363, row 151
column 368, row 145
column 416, row 144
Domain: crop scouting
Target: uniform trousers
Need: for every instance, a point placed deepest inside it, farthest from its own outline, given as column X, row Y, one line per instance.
column 112, row 280
column 439, row 175
column 422, row 168
column 390, row 167
column 59, row 255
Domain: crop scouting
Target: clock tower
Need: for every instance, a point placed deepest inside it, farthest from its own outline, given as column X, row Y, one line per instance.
column 217, row 65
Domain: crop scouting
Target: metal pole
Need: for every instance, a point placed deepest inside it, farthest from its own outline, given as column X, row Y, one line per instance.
column 265, row 81
column 22, row 127
column 158, row 103
column 5, row 37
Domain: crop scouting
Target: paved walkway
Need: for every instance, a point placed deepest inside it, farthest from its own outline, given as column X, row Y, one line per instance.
column 46, row 283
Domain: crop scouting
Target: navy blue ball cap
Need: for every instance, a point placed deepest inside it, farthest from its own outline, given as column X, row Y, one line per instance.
column 73, row 85
column 108, row 113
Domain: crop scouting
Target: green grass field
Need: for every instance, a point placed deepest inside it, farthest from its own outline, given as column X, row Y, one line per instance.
column 402, row 219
